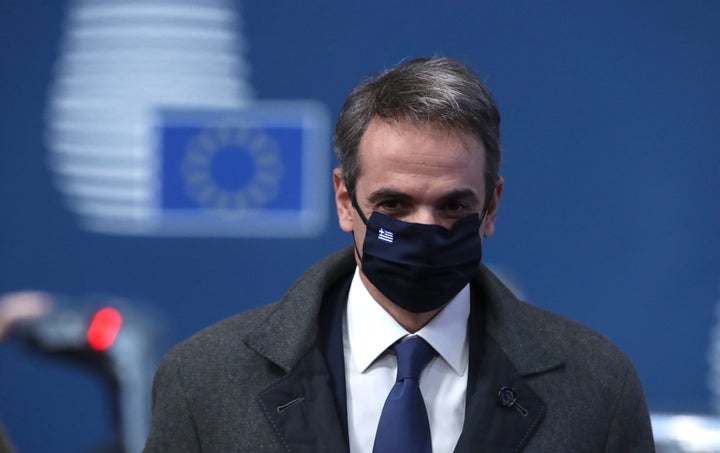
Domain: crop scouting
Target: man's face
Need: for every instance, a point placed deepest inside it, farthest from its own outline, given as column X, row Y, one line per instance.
column 419, row 174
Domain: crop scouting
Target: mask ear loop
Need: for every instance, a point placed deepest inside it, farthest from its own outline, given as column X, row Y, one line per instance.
column 486, row 208
column 364, row 219
column 354, row 203
column 483, row 214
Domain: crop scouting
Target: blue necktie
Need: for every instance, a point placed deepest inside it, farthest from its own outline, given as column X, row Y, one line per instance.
column 404, row 425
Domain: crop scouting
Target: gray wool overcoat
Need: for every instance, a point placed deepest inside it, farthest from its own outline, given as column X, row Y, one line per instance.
column 257, row 382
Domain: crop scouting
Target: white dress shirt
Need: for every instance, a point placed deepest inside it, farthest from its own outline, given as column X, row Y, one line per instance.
column 368, row 331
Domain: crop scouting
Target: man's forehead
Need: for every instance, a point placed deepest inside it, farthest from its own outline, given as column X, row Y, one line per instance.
column 376, row 138
column 423, row 128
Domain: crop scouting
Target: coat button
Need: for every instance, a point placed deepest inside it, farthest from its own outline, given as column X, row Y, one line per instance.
column 507, row 396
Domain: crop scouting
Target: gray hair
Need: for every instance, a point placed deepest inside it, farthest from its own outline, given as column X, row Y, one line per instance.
column 441, row 92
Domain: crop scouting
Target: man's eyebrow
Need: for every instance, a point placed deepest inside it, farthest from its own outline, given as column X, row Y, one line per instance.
column 460, row 194
column 455, row 195
column 386, row 193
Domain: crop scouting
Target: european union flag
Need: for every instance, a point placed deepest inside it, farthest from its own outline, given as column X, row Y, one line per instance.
column 255, row 171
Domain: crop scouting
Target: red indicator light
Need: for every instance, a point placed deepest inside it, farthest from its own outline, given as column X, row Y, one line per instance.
column 104, row 328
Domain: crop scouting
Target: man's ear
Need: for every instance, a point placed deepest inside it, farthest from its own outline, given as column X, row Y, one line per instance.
column 492, row 209
column 342, row 201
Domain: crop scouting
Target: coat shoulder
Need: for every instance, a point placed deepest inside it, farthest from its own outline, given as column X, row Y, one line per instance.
column 528, row 332
column 215, row 343
column 573, row 341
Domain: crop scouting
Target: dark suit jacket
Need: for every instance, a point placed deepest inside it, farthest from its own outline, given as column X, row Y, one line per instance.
column 259, row 381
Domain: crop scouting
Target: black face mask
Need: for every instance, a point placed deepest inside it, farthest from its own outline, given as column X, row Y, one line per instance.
column 420, row 267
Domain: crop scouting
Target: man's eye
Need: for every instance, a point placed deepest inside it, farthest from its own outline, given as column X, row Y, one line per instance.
column 456, row 210
column 390, row 205
column 455, row 207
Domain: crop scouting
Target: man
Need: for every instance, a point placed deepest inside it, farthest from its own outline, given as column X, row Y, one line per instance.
column 418, row 189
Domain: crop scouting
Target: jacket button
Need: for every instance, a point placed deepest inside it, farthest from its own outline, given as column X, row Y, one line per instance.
column 507, row 396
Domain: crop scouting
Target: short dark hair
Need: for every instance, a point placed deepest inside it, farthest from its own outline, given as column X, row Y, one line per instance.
column 438, row 91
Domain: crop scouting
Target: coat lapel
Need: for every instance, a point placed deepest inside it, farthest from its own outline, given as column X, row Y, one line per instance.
column 503, row 411
column 302, row 406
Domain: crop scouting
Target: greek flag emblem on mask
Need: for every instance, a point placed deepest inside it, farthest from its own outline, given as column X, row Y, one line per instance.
column 385, row 235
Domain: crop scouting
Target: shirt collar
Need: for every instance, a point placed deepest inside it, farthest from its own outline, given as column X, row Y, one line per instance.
column 371, row 330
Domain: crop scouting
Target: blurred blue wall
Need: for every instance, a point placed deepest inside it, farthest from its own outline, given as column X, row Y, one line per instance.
column 611, row 211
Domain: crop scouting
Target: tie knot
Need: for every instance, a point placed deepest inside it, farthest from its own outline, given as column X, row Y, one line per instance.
column 412, row 355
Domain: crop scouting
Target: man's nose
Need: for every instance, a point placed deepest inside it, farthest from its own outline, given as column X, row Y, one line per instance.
column 426, row 216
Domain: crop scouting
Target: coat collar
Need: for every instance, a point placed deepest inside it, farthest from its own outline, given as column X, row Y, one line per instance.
column 512, row 327
column 296, row 314
column 515, row 329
